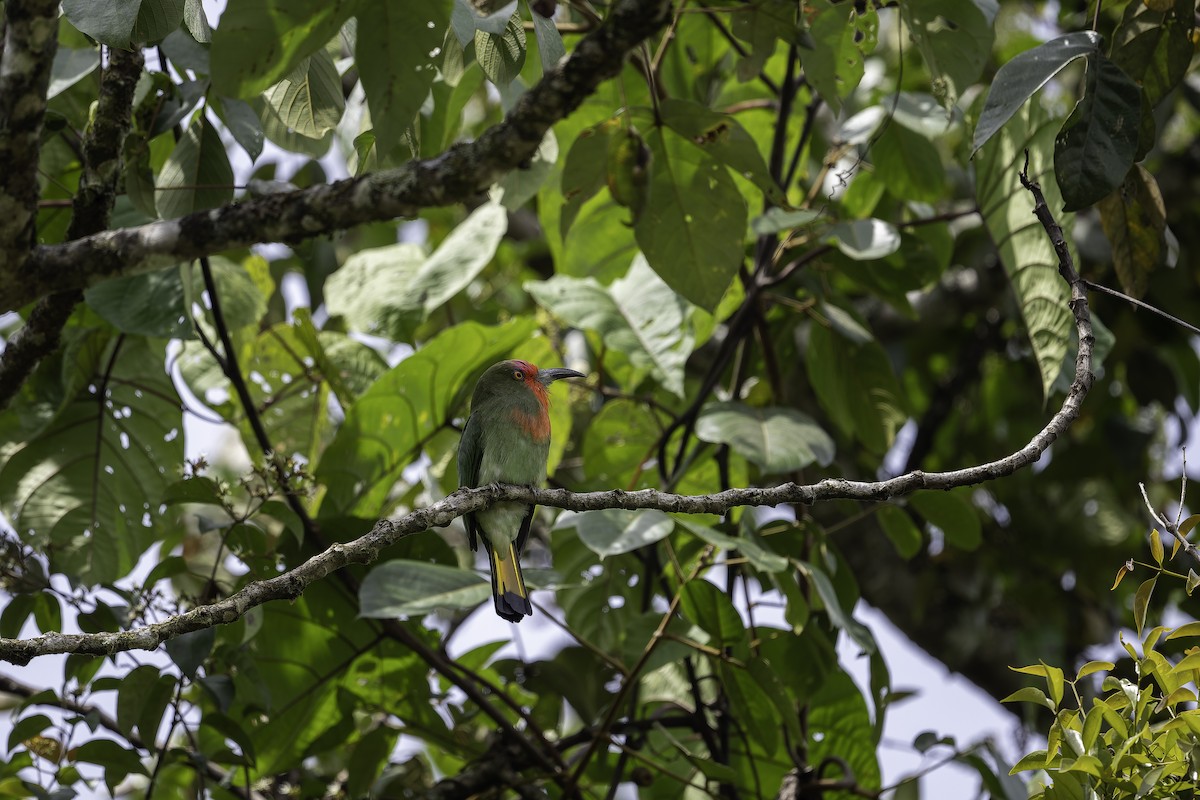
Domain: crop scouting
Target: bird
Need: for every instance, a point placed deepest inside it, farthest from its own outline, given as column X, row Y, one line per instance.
column 507, row 440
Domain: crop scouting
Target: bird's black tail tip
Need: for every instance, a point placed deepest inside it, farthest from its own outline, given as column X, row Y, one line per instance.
column 513, row 607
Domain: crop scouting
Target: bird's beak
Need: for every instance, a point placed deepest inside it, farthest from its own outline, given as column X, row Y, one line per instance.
column 549, row 376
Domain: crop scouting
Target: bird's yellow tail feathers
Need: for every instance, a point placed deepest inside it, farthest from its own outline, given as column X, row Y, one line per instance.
column 508, row 585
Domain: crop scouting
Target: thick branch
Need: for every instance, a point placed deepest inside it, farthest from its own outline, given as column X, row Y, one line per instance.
column 453, row 177
column 30, row 39
column 90, row 214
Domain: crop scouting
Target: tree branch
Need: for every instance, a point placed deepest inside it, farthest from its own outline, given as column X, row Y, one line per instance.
column 30, row 39
column 90, row 214
column 367, row 548
column 460, row 173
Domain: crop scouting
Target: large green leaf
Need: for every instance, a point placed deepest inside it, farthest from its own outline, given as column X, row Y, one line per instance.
column 309, row 99
column 955, row 39
column 501, row 55
column 120, row 23
column 711, row 610
column 386, row 290
column 197, row 174
column 619, row 443
column 396, row 58
column 834, row 65
column 84, row 485
column 1024, row 247
column 401, row 588
column 748, row 544
column 1134, row 220
column 856, row 386
column 777, row 439
column 1016, row 81
column 258, row 43
column 156, row 303
column 839, row 726
column 1154, row 52
column 724, row 138
column 1097, row 144
column 614, row 531
column 383, row 433
column 908, row 164
column 639, row 316
column 692, row 227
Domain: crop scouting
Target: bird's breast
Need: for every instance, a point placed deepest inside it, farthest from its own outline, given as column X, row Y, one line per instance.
column 536, row 426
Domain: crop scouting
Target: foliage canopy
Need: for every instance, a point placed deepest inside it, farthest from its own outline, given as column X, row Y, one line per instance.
column 787, row 241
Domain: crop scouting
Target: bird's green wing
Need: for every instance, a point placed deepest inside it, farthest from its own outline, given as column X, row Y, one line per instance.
column 470, row 454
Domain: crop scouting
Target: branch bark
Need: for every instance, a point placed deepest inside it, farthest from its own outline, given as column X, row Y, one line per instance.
column 30, row 39
column 453, row 177
column 91, row 208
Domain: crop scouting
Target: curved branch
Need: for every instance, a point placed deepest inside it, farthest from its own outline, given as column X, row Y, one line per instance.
column 453, row 177
column 367, row 548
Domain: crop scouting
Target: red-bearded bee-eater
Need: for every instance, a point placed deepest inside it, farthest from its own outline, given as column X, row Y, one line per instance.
column 507, row 440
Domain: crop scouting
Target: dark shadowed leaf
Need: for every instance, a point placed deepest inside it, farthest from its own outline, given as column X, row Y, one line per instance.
column 1016, row 81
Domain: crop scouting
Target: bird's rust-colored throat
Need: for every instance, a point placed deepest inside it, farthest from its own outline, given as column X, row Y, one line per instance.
column 536, row 425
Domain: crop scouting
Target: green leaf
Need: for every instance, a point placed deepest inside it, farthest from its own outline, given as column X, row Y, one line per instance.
column 197, row 174
column 954, row 514
column 118, row 761
column 584, row 171
column 259, row 43
column 1025, row 250
column 903, row 533
column 402, row 588
column 70, row 67
column 382, row 433
column 142, row 700
column 692, row 227
column 614, row 531
column 1133, row 217
column 752, row 547
column 242, row 122
column 908, row 164
column 123, row 433
column 26, row 728
column 388, row 290
column 1030, row 694
column 639, row 316
column 833, row 607
column 711, row 610
column 856, row 387
column 1096, row 146
column 954, row 38
column 777, row 220
column 501, row 55
column 231, row 729
column 190, row 650
column 519, row 185
column 724, row 139
column 309, row 99
column 749, row 701
column 865, row 239
column 396, row 54
column 1016, row 81
column 618, row 443
column 839, row 726
column 1141, row 602
column 1154, row 52
column 120, row 23
column 776, row 439
column 549, row 41
column 834, row 65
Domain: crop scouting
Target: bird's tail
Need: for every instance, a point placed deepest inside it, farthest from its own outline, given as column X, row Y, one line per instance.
column 508, row 585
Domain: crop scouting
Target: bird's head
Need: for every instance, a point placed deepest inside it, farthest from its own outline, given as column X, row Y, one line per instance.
column 517, row 380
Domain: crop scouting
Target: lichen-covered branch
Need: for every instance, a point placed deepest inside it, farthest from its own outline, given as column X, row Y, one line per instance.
column 30, row 39
column 89, row 214
column 457, row 175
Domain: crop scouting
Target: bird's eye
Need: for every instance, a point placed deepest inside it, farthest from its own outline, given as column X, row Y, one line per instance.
column 518, row 375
